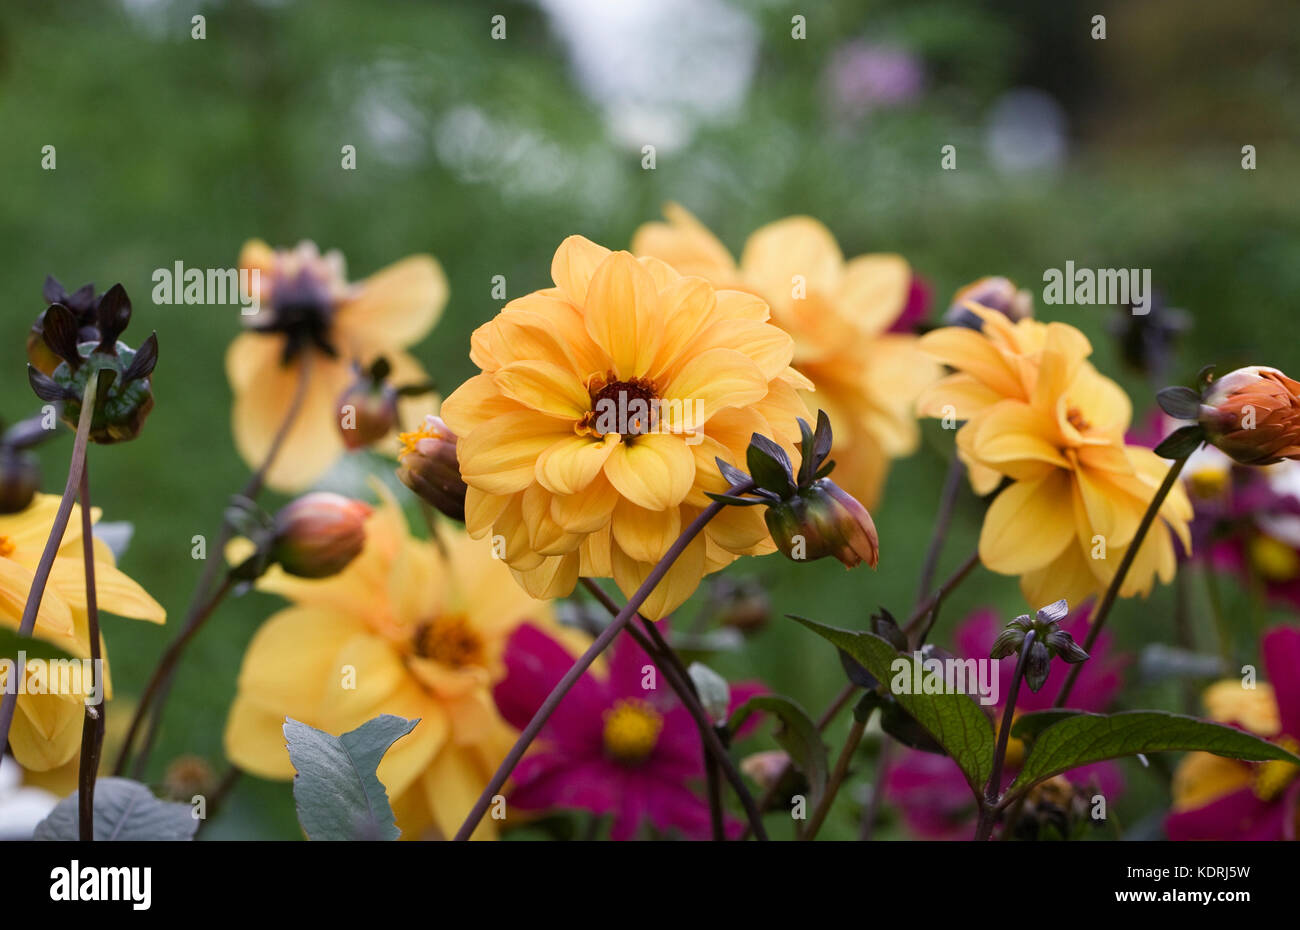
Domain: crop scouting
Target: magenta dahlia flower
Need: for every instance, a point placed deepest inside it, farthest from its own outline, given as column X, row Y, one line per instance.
column 931, row 792
column 619, row 744
column 1226, row 799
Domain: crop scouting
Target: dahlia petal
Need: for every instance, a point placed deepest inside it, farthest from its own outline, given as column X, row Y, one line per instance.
column 622, row 314
column 393, row 308
column 574, row 264
column 569, row 465
column 544, row 386
column 1028, row 525
column 500, row 456
column 655, row 471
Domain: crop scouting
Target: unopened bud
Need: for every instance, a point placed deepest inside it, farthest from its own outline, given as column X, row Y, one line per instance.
column 992, row 293
column 318, row 534
column 187, row 776
column 821, row 520
column 367, row 410
column 1253, row 415
column 20, row 479
column 428, row 466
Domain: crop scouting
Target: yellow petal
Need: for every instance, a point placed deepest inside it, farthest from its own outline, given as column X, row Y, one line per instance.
column 622, row 314
column 1028, row 524
column 254, row 740
column 686, row 244
column 1016, row 439
column 500, row 456
column 574, row 263
column 713, row 380
column 655, row 471
column 395, row 307
column 874, row 291
column 587, row 511
column 552, row 577
column 570, row 464
column 645, row 535
column 673, row 589
column 545, row 387
column 46, row 730
column 475, row 402
column 795, row 246
column 968, row 351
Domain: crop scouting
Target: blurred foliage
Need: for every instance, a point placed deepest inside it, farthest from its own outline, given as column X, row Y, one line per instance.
column 487, row 153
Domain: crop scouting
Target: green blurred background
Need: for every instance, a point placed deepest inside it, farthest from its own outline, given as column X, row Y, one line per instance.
column 1122, row 152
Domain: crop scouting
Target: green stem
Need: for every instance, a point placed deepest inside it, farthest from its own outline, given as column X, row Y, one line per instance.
column 1222, row 631
column 41, row 577
column 1112, row 592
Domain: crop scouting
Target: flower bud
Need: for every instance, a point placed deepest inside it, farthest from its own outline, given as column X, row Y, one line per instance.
column 993, row 293
column 1253, row 415
column 428, row 466
column 318, row 534
column 20, row 479
column 366, row 415
column 823, row 520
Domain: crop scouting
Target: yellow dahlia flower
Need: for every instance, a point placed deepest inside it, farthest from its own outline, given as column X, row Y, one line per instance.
column 46, row 729
column 411, row 627
column 1038, row 413
column 590, row 438
column 309, row 313
column 838, row 312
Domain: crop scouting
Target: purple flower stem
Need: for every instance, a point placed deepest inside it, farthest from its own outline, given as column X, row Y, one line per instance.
column 989, row 803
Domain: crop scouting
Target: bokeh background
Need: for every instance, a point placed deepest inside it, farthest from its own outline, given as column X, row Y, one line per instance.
column 1122, row 152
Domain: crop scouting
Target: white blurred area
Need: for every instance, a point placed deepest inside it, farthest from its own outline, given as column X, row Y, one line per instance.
column 21, row 808
column 658, row 68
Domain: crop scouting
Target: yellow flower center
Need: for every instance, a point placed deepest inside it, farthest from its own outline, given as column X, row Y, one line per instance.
column 1272, row 778
column 1208, row 482
column 632, row 730
column 449, row 640
column 7, row 547
column 1274, row 560
column 626, row 407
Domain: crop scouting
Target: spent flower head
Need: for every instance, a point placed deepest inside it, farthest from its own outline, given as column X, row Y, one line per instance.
column 124, row 395
column 1048, row 641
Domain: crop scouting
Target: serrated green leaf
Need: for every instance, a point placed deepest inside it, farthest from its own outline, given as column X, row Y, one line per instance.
column 336, row 791
column 797, row 735
column 1085, row 738
column 954, row 720
column 124, row 810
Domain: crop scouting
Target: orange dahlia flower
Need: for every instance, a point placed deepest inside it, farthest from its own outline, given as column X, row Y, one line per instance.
column 838, row 312
column 589, row 439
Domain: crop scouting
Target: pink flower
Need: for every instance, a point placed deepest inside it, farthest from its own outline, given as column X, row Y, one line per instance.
column 614, row 745
column 1225, row 799
column 935, row 801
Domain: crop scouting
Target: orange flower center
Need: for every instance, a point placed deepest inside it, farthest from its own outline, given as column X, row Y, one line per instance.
column 449, row 640
column 1076, row 419
column 632, row 730
column 7, row 547
column 629, row 407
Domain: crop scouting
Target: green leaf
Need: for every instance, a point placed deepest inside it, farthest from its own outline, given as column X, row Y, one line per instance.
column 11, row 643
column 954, row 720
column 124, row 810
column 1027, row 726
column 1181, row 442
column 1085, row 738
column 336, row 791
column 797, row 735
column 1181, row 403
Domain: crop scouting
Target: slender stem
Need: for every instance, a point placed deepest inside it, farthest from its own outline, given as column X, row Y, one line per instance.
column 713, row 784
column 883, row 763
column 947, row 504
column 571, row 677
column 42, row 575
column 199, row 609
column 918, row 625
column 167, row 664
column 836, row 779
column 989, row 807
column 1112, row 592
column 830, row 713
column 1222, row 631
column 92, row 727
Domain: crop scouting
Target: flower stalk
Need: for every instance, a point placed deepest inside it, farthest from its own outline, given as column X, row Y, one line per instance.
column 989, row 803
column 92, row 728
column 201, row 607
column 76, row 466
column 584, row 662
column 1116, row 583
